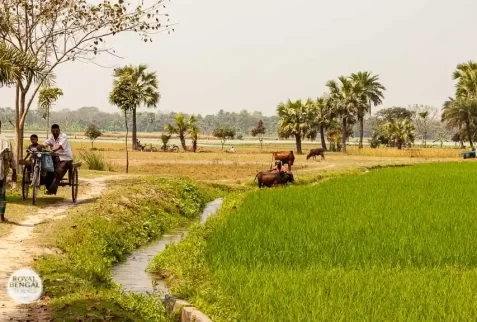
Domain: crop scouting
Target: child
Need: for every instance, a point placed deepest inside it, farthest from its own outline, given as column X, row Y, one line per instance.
column 34, row 145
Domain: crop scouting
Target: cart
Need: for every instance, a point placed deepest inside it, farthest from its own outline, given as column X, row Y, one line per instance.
column 34, row 176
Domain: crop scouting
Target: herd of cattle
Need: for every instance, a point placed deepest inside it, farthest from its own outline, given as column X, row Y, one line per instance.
column 271, row 178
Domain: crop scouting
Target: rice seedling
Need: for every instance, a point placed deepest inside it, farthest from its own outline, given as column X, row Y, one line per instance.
column 393, row 244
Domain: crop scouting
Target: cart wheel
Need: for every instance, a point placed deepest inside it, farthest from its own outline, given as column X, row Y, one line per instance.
column 74, row 185
column 175, row 149
column 25, row 182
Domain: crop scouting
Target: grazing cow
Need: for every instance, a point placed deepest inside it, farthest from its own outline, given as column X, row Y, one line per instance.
column 268, row 179
column 287, row 157
column 314, row 152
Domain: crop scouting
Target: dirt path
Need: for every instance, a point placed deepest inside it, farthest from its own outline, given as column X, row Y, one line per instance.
column 14, row 253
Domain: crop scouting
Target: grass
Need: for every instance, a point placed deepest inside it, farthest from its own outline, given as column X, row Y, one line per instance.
column 95, row 236
column 393, row 244
column 95, row 160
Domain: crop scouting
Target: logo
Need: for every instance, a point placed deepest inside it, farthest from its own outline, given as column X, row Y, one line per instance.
column 25, row 286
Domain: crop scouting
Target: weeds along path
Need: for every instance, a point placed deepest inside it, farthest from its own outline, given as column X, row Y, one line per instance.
column 15, row 252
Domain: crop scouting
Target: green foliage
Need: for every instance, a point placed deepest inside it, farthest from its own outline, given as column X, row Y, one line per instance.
column 95, row 161
column 321, row 260
column 100, row 234
column 92, row 132
column 46, row 98
column 224, row 133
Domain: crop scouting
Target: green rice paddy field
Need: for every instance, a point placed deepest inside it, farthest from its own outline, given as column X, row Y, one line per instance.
column 396, row 244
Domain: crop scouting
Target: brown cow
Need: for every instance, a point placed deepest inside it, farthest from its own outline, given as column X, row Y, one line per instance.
column 285, row 156
column 314, row 152
column 268, row 179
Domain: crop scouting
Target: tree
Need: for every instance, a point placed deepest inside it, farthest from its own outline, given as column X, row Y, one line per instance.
column 92, row 132
column 461, row 112
column 345, row 99
column 224, row 133
column 47, row 97
column 466, row 76
column 442, row 135
column 320, row 117
column 146, row 85
column 259, row 131
column 401, row 132
column 393, row 113
column 16, row 65
column 422, row 116
column 181, row 127
column 194, row 134
column 165, row 139
column 125, row 97
column 294, row 120
column 372, row 90
column 59, row 31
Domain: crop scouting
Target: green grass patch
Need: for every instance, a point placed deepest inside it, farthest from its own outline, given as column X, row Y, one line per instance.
column 95, row 236
column 393, row 244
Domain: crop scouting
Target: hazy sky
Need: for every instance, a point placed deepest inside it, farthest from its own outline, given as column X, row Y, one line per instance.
column 252, row 54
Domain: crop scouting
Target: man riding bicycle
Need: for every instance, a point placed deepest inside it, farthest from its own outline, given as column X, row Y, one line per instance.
column 63, row 159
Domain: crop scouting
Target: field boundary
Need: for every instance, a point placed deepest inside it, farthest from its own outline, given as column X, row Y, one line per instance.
column 183, row 310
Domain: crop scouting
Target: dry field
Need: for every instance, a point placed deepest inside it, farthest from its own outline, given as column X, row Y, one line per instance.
column 212, row 164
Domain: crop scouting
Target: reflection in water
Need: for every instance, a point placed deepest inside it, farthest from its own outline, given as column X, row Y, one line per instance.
column 131, row 273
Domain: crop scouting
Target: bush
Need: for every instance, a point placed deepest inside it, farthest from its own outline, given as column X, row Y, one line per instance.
column 95, row 161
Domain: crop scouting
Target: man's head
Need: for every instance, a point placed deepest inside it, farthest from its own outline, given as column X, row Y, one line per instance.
column 34, row 139
column 55, row 130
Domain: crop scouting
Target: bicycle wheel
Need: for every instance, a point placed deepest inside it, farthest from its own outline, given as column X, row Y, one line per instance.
column 35, row 183
column 25, row 182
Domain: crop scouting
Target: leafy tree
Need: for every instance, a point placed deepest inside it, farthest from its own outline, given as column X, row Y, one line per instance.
column 224, row 133
column 47, row 97
column 146, row 85
column 466, row 76
column 372, row 90
column 423, row 115
column 294, row 120
column 345, row 99
column 63, row 31
column 259, row 131
column 394, row 113
column 92, row 132
column 181, row 127
column 401, row 132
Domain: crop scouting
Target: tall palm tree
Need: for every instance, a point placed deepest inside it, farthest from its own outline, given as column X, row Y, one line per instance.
column 345, row 99
column 145, row 84
column 194, row 134
column 294, row 120
column 47, row 97
column 466, row 76
column 461, row 112
column 320, row 117
column 181, row 127
column 372, row 90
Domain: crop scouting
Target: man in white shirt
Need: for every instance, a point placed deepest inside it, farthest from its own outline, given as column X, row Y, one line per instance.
column 60, row 145
column 7, row 161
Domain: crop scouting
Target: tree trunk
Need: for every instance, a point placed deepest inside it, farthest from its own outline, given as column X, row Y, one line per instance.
column 134, row 129
column 183, row 142
column 469, row 134
column 18, row 130
column 361, row 132
column 298, row 143
column 92, row 147
column 194, row 145
column 399, row 145
column 322, row 134
column 261, row 143
column 460, row 137
column 343, row 134
column 126, row 140
column 47, row 122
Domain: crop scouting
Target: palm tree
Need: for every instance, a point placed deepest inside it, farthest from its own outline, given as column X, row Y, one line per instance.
column 461, row 112
column 194, row 134
column 146, row 86
column 294, row 120
column 372, row 90
column 181, row 127
column 345, row 99
column 15, row 64
column 401, row 132
column 47, row 97
column 466, row 76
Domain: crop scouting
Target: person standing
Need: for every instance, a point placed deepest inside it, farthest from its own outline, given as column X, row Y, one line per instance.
column 60, row 145
column 7, row 162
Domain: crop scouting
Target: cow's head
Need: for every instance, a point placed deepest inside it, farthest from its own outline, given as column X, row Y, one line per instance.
column 290, row 177
column 308, row 156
